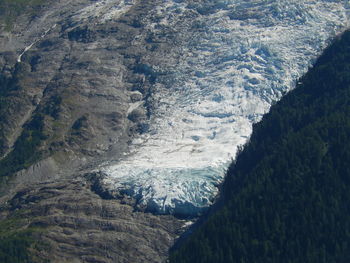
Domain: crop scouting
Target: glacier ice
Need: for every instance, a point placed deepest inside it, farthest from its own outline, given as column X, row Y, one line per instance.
column 234, row 58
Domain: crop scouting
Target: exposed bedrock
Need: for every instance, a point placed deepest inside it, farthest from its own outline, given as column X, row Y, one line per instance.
column 140, row 106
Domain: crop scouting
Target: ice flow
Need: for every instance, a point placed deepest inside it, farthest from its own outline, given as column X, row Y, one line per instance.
column 234, row 59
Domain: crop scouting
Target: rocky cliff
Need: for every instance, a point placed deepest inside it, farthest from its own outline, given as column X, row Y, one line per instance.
column 70, row 99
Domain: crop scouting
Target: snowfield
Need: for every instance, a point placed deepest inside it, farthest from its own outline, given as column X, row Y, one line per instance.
column 234, row 59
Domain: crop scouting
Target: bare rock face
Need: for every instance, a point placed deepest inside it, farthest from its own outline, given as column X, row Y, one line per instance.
column 73, row 65
column 81, row 227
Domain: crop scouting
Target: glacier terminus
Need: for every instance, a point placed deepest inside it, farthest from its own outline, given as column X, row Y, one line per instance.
column 230, row 61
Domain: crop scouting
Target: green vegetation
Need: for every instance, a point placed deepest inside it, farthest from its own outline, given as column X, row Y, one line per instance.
column 25, row 151
column 79, row 123
column 4, row 105
column 287, row 196
column 11, row 9
column 53, row 107
column 11, row 99
column 16, row 241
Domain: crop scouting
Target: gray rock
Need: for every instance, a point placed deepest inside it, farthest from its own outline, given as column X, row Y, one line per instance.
column 77, row 70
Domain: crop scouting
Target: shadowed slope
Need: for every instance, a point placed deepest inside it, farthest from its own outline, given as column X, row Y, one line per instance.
column 286, row 199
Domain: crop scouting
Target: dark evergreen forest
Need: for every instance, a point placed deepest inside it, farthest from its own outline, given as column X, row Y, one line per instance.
column 287, row 196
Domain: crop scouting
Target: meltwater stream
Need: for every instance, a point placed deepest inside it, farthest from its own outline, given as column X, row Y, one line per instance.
column 234, row 59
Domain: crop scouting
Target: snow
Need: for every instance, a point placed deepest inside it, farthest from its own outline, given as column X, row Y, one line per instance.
column 19, row 59
column 105, row 10
column 244, row 56
column 43, row 35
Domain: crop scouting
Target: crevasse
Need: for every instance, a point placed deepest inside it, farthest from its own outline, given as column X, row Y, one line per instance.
column 235, row 59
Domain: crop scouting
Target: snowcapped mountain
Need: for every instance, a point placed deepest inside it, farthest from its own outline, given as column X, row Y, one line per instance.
column 229, row 61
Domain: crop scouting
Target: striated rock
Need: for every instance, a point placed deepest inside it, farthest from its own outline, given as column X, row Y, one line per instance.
column 79, row 226
column 73, row 66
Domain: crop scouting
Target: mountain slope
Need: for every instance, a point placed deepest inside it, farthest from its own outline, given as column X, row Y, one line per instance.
column 286, row 198
column 226, row 62
column 104, row 103
column 65, row 89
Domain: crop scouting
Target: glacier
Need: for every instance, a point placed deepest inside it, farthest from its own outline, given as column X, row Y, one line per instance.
column 233, row 59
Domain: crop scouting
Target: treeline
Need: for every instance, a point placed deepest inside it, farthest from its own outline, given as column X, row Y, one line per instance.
column 287, row 196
